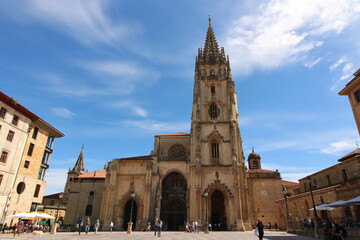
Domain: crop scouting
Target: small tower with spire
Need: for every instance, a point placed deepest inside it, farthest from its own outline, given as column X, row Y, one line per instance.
column 77, row 170
column 79, row 165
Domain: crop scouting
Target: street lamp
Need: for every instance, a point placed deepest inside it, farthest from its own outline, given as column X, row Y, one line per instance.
column 61, row 195
column 129, row 231
column 316, row 233
column 206, row 212
column 287, row 209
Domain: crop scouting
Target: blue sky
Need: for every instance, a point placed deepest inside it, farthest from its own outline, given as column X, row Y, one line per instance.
column 112, row 74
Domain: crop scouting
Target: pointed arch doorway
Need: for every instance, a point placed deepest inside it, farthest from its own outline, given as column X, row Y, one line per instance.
column 218, row 215
column 127, row 212
column 173, row 202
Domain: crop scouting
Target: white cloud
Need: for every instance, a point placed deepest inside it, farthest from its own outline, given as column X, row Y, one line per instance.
column 85, row 21
column 284, row 31
column 55, row 180
column 337, row 148
column 272, row 118
column 344, row 71
column 311, row 141
column 128, row 71
column 157, row 126
column 129, row 105
column 63, row 112
column 312, row 63
column 338, row 63
column 107, row 78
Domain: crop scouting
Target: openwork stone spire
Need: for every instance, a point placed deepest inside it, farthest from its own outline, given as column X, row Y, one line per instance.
column 211, row 53
column 79, row 166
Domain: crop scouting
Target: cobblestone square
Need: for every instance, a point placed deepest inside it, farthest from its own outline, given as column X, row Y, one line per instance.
column 269, row 235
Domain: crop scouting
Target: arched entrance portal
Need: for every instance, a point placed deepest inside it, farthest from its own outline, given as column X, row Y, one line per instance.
column 173, row 203
column 218, row 216
column 127, row 211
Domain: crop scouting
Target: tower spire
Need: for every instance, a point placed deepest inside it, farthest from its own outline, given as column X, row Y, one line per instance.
column 79, row 165
column 211, row 53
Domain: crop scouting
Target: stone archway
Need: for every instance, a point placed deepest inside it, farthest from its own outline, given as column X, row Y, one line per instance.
column 218, row 214
column 173, row 202
column 127, row 212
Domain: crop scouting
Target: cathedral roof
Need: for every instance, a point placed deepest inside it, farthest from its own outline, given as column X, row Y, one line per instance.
column 96, row 174
column 350, row 155
column 174, row 134
column 147, row 157
column 289, row 184
column 260, row 171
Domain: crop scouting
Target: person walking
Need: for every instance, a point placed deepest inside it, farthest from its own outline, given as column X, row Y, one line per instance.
column 156, row 227
column 148, row 228
column 111, row 226
column 160, row 227
column 260, row 228
column 81, row 225
column 88, row 225
column 97, row 225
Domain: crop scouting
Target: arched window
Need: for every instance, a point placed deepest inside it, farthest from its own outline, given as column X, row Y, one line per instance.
column 88, row 211
column 215, row 152
column 212, row 90
column 214, row 111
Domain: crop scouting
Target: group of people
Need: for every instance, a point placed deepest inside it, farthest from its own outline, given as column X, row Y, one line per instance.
column 85, row 225
column 194, row 227
column 334, row 231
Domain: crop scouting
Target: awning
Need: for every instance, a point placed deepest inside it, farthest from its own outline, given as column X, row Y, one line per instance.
column 322, row 207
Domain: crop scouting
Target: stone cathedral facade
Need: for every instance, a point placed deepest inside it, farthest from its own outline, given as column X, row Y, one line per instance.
column 199, row 176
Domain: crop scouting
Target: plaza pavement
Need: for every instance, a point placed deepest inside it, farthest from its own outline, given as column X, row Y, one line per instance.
column 269, row 235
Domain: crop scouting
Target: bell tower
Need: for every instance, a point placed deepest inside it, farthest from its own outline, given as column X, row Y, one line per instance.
column 217, row 158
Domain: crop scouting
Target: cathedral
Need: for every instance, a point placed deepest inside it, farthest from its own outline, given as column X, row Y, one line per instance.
column 199, row 176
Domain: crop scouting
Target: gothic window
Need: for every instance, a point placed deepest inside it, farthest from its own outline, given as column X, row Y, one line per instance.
column 177, row 152
column 212, row 90
column 215, row 151
column 88, row 211
column 214, row 111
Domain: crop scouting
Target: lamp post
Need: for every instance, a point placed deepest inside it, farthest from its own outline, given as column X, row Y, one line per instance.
column 129, row 231
column 316, row 232
column 61, row 195
column 287, row 209
column 206, row 230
